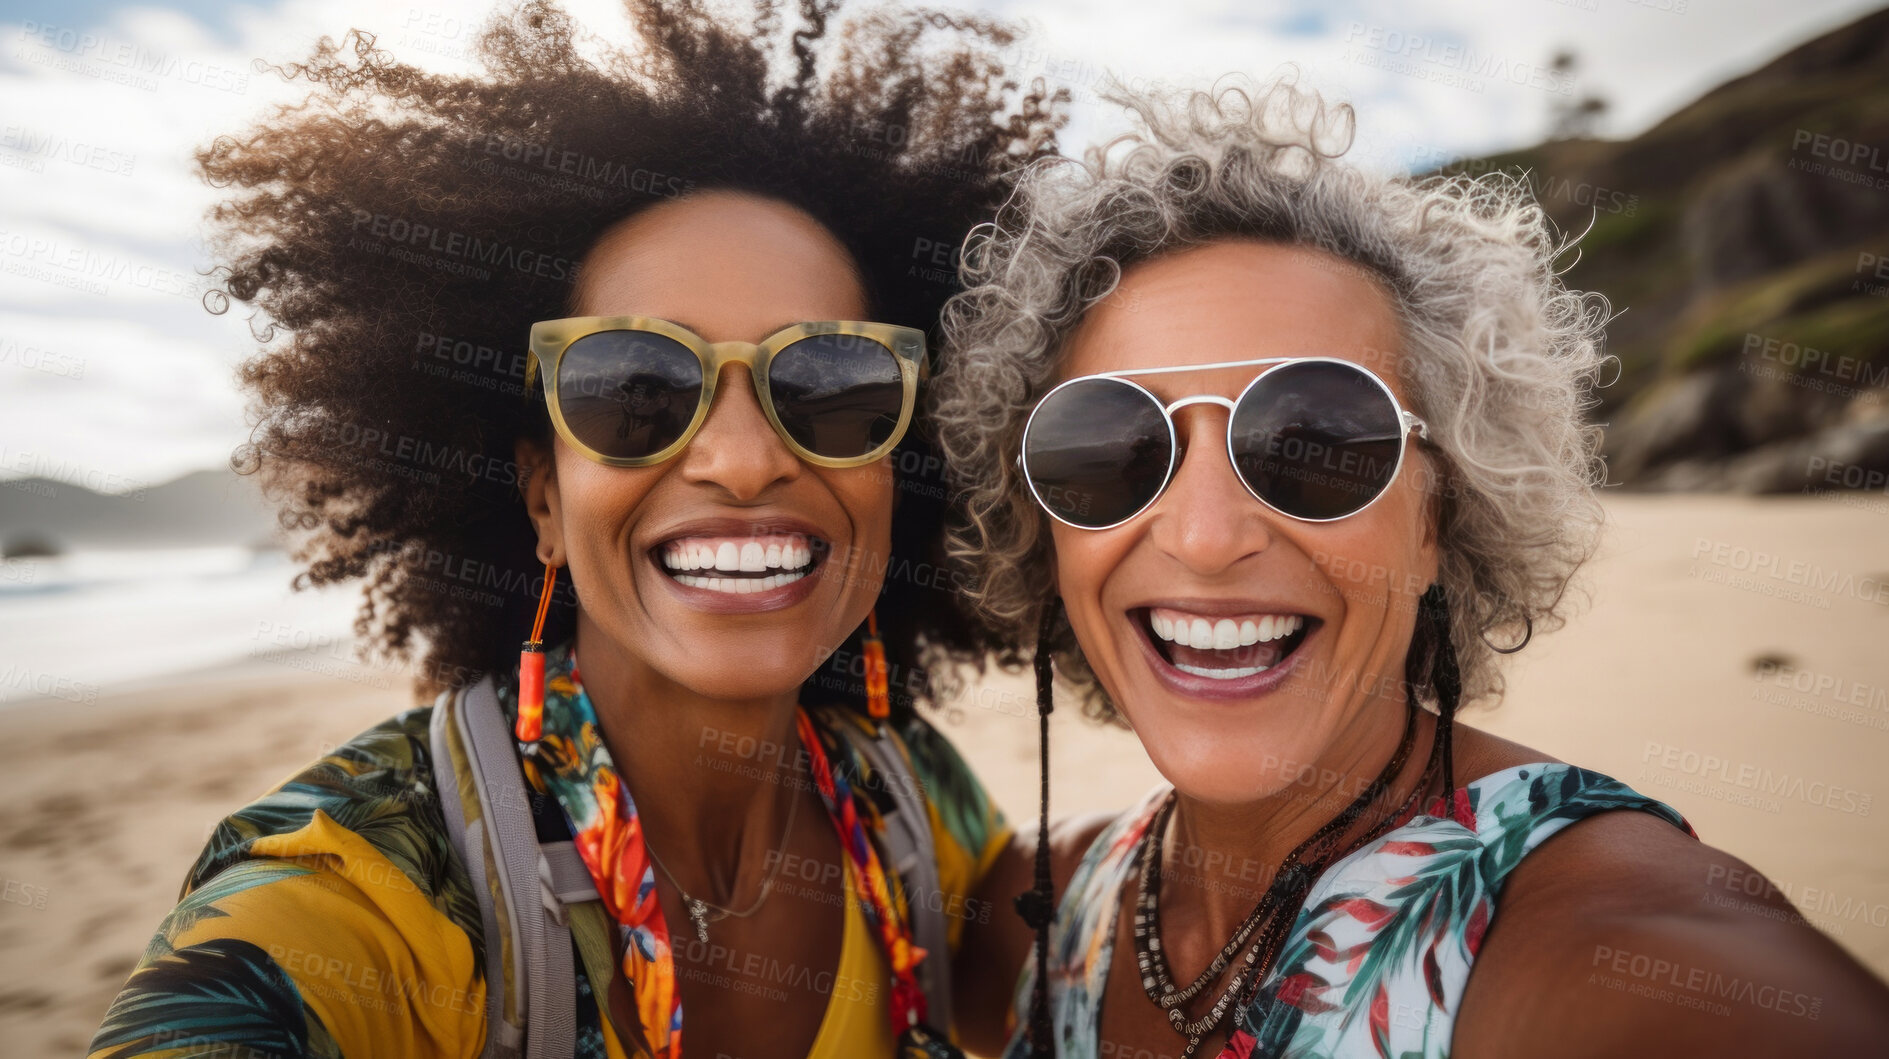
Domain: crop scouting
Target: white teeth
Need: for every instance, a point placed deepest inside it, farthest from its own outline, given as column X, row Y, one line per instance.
column 732, row 556
column 1223, row 633
column 1201, row 634
column 741, row 586
column 1220, row 674
column 1226, row 633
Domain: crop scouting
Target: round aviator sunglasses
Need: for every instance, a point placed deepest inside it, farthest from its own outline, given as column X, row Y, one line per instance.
column 630, row 391
column 1313, row 438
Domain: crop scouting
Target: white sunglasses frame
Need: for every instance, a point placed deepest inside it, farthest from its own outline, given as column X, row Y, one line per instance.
column 1408, row 418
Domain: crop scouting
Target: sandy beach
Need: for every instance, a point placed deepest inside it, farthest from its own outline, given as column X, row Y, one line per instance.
column 1734, row 662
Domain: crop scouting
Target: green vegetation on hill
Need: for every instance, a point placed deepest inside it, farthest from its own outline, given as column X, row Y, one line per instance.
column 1743, row 237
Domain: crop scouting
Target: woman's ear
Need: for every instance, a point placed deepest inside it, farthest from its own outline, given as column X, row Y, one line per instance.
column 538, row 485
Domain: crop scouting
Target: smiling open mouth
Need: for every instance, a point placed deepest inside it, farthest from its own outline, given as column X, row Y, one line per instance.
column 1224, row 648
column 740, row 565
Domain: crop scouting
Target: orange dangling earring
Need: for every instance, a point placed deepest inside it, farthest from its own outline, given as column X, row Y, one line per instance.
column 531, row 668
column 878, row 689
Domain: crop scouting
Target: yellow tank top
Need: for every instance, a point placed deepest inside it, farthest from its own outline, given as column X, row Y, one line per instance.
column 856, row 1023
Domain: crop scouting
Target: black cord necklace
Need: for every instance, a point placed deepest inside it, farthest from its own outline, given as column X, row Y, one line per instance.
column 1272, row 916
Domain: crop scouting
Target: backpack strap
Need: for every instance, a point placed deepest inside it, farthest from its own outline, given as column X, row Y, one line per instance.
column 536, row 1003
column 545, row 898
column 906, row 845
column 571, row 896
column 565, row 876
column 463, row 808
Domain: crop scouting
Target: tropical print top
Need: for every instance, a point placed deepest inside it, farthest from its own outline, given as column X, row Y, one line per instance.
column 332, row 918
column 1376, row 962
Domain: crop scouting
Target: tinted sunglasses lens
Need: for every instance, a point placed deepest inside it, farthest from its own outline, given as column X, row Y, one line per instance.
column 628, row 394
column 837, row 396
column 1316, row 439
column 1097, row 451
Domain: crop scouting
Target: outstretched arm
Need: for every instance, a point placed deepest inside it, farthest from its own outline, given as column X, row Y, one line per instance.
column 1621, row 936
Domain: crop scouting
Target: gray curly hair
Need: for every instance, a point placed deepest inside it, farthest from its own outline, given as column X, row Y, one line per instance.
column 1498, row 354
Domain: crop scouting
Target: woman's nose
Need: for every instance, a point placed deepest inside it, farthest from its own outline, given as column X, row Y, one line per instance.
column 737, row 448
column 1206, row 520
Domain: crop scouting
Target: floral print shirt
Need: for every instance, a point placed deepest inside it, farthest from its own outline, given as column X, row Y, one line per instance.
column 332, row 918
column 1376, row 962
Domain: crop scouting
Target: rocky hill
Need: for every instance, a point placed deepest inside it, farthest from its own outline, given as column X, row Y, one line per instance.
column 42, row 516
column 1747, row 239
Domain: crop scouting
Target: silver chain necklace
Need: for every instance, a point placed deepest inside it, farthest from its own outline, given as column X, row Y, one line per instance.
column 700, row 910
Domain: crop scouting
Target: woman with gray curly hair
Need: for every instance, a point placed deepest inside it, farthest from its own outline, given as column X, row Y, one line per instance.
column 1275, row 460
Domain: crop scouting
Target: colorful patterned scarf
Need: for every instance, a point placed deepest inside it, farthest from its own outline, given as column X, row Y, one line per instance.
column 571, row 763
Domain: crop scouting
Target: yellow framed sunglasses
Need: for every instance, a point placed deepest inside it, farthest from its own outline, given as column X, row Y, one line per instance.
column 630, row 391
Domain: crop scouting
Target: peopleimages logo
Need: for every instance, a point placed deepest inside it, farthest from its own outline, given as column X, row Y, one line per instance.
column 1844, row 152
column 35, row 145
column 418, row 235
column 1806, row 358
column 1473, row 62
column 1701, row 988
column 122, row 61
column 1758, row 779
column 82, row 268
column 1870, row 588
column 1849, row 161
column 579, row 166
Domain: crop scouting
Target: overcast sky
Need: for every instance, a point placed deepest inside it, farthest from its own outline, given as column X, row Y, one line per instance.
column 112, row 375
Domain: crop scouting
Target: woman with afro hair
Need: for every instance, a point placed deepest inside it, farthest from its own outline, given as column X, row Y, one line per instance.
column 613, row 350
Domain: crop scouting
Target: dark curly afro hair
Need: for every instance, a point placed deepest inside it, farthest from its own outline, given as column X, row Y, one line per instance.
column 399, row 231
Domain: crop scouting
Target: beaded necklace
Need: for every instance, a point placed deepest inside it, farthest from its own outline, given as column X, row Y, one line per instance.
column 1271, row 917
